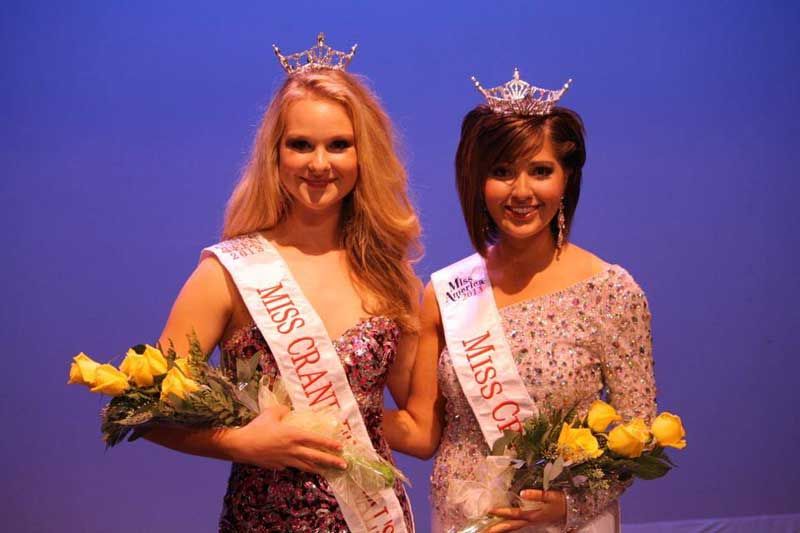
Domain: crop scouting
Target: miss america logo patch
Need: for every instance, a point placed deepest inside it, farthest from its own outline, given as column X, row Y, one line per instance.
column 464, row 287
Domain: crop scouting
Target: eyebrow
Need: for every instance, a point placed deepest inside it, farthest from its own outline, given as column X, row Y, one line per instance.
column 299, row 135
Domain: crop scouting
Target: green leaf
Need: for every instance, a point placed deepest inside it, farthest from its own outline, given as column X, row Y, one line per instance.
column 661, row 453
column 551, row 472
column 175, row 401
column 136, row 419
column 651, row 467
column 246, row 368
column 196, row 353
column 216, row 386
column 500, row 445
column 644, row 467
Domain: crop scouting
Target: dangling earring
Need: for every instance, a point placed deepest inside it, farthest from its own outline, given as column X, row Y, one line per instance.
column 562, row 226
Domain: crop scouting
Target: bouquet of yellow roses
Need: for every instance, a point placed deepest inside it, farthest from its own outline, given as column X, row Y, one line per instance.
column 559, row 450
column 150, row 389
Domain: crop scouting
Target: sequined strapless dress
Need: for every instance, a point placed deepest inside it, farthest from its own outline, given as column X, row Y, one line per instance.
column 588, row 341
column 259, row 500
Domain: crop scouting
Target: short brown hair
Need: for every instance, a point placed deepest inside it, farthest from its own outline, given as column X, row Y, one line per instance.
column 489, row 138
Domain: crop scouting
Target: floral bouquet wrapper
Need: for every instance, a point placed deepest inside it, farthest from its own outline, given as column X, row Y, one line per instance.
column 490, row 490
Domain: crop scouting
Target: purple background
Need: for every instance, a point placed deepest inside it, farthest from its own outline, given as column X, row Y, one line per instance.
column 125, row 124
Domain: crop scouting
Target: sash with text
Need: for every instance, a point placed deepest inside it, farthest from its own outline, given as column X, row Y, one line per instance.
column 479, row 350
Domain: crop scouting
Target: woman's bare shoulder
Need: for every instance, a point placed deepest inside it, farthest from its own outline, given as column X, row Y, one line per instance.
column 210, row 278
column 586, row 262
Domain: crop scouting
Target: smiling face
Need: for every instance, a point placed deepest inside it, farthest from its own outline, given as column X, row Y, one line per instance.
column 513, row 170
column 523, row 196
column 318, row 164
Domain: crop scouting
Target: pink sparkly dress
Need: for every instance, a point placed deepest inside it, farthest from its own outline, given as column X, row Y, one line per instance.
column 259, row 500
column 591, row 340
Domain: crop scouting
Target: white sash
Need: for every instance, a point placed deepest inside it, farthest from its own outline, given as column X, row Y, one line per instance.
column 479, row 350
column 309, row 365
column 483, row 361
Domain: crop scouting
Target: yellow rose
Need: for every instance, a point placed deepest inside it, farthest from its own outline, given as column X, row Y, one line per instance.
column 156, row 360
column 178, row 384
column 629, row 439
column 109, row 380
column 601, row 415
column 136, row 367
column 577, row 444
column 82, row 370
column 183, row 364
column 143, row 367
column 668, row 431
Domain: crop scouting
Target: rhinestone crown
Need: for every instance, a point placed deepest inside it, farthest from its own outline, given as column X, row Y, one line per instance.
column 317, row 57
column 520, row 97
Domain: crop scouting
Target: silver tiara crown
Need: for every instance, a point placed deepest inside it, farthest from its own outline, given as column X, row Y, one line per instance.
column 520, row 97
column 317, row 57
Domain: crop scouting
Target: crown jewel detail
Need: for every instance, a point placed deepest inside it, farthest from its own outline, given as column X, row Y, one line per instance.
column 317, row 57
column 520, row 97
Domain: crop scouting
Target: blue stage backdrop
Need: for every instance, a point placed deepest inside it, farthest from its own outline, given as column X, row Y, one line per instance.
column 125, row 125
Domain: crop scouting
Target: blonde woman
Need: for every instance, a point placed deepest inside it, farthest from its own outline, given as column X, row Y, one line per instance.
column 314, row 273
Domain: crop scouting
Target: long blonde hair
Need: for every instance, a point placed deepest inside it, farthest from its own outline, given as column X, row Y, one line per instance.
column 379, row 228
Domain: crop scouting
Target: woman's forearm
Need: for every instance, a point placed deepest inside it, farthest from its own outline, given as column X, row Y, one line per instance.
column 408, row 435
column 216, row 443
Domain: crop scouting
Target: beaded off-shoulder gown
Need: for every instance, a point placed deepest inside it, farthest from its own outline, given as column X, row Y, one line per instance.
column 591, row 340
column 259, row 500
